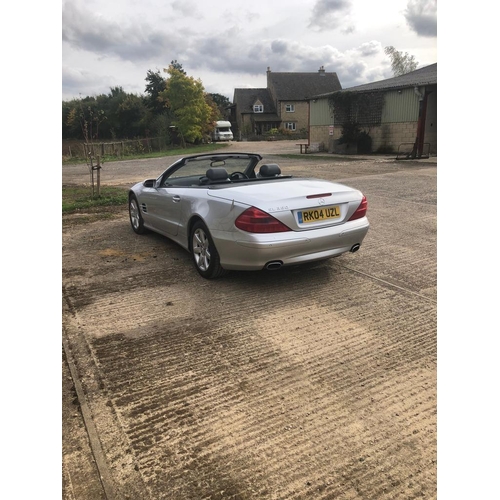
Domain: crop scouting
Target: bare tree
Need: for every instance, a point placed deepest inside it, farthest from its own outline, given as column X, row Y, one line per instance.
column 400, row 63
column 89, row 121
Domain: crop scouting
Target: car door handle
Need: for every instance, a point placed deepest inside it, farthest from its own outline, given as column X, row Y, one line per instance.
column 176, row 198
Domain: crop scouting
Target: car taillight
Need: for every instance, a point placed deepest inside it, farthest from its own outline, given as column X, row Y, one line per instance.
column 361, row 210
column 254, row 220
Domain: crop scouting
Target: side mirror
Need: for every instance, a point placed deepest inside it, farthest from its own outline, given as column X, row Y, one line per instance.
column 149, row 183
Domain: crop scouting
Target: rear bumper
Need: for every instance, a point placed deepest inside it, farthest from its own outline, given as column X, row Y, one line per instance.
column 248, row 251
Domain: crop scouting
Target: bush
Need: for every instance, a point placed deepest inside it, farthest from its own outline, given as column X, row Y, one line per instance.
column 364, row 143
column 273, row 131
column 350, row 133
column 353, row 136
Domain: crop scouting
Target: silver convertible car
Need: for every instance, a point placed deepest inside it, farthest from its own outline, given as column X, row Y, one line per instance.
column 233, row 213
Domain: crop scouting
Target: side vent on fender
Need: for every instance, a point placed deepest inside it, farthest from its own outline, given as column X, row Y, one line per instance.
column 144, row 208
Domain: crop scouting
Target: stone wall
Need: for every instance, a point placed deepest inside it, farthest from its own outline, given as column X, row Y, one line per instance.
column 300, row 116
column 389, row 136
column 385, row 138
column 320, row 134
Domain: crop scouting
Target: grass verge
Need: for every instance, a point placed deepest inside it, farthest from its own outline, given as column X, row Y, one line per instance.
column 78, row 198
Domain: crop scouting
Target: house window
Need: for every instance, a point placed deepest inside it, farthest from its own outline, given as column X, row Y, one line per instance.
column 291, row 126
column 258, row 108
column 290, row 108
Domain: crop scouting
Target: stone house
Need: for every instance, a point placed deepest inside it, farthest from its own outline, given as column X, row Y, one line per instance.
column 283, row 104
column 397, row 115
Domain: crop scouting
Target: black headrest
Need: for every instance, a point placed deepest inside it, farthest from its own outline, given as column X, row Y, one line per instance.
column 217, row 174
column 269, row 170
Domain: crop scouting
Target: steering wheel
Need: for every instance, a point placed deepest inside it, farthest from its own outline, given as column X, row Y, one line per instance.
column 238, row 175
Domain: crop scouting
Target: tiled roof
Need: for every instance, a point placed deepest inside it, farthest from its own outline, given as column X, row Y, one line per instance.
column 423, row 76
column 246, row 98
column 302, row 86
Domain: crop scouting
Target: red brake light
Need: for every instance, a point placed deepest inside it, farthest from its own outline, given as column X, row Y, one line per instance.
column 322, row 195
column 361, row 210
column 254, row 220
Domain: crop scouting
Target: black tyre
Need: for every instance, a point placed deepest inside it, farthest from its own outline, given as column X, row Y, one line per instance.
column 136, row 220
column 205, row 256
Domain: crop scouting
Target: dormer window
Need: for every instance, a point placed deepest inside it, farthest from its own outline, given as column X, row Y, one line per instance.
column 258, row 108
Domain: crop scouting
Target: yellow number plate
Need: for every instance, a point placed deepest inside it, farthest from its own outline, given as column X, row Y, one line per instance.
column 318, row 214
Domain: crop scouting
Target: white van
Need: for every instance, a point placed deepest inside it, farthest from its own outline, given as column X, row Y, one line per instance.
column 222, row 131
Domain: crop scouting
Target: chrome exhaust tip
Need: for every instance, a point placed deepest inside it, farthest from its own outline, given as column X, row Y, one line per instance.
column 355, row 247
column 273, row 265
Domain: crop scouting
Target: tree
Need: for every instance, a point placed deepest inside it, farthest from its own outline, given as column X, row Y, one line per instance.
column 222, row 103
column 178, row 66
column 89, row 116
column 177, row 100
column 111, row 103
column 130, row 115
column 400, row 63
column 215, row 115
column 185, row 97
column 71, row 127
column 156, row 84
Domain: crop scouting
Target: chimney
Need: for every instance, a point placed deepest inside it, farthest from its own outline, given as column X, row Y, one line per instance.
column 322, row 71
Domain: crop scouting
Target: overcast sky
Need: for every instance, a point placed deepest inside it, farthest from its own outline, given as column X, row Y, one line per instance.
column 229, row 45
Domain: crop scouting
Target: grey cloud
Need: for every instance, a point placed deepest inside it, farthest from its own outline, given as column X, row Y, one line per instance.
column 370, row 48
column 187, row 8
column 351, row 73
column 328, row 6
column 279, row 47
column 84, row 31
column 223, row 43
column 354, row 69
column 330, row 14
column 358, row 66
column 281, row 55
column 377, row 74
column 222, row 52
column 421, row 16
column 294, row 57
column 73, row 79
column 80, row 82
column 217, row 54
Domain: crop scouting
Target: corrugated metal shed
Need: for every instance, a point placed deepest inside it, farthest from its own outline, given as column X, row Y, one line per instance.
column 417, row 78
column 400, row 106
column 321, row 114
